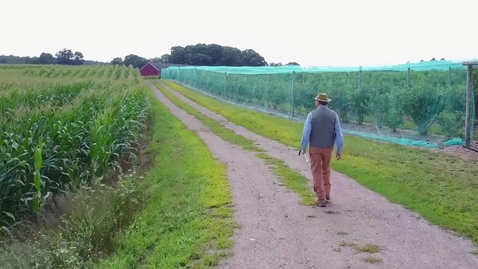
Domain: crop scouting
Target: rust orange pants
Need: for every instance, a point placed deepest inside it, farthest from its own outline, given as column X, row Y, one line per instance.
column 320, row 167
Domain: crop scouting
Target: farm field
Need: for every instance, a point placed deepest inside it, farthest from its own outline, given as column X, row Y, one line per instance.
column 440, row 187
column 93, row 177
column 101, row 172
column 423, row 106
column 63, row 127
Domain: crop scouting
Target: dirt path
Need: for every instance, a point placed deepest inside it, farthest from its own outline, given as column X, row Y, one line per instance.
column 277, row 232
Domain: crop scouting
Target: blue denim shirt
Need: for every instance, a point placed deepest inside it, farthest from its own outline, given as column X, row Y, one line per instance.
column 339, row 137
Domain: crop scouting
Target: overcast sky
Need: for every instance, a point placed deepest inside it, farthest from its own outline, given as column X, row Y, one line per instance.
column 332, row 32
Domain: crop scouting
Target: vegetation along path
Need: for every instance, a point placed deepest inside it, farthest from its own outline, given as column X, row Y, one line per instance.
column 279, row 232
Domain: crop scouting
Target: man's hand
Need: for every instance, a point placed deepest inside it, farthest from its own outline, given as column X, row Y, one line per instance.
column 338, row 155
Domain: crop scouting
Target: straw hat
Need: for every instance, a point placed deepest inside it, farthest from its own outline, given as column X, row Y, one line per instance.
column 322, row 97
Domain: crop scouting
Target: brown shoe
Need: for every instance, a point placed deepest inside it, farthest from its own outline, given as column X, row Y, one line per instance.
column 327, row 197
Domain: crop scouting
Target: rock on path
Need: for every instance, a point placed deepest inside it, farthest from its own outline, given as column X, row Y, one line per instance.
column 277, row 232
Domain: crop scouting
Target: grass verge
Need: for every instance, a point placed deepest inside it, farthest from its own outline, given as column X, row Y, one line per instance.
column 442, row 188
column 186, row 220
column 292, row 179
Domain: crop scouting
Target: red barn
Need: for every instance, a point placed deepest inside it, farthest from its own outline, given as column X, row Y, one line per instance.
column 154, row 69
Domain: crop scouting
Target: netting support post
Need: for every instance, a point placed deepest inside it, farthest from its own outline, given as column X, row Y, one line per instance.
column 292, row 95
column 225, row 84
column 469, row 103
column 408, row 77
column 195, row 78
column 179, row 74
column 269, row 89
column 360, row 78
column 449, row 76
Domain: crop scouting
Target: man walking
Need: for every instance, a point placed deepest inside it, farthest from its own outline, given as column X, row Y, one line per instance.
column 322, row 129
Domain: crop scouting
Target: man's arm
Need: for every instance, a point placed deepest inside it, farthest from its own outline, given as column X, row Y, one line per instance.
column 306, row 133
column 339, row 137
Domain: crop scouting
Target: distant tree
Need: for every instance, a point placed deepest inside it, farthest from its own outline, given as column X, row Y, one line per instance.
column 442, row 59
column 46, row 58
column 230, row 56
column 117, row 61
column 213, row 55
column 12, row 59
column 433, row 59
column 67, row 57
column 155, row 60
column 64, row 56
column 165, row 58
column 78, row 58
column 91, row 62
column 293, row 63
column 33, row 60
column 252, row 58
column 134, row 60
column 177, row 55
column 275, row 64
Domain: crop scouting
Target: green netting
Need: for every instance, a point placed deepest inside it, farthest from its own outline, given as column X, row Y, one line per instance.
column 420, row 104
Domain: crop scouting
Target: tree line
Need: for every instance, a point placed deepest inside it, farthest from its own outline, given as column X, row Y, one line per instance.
column 202, row 55
column 199, row 54
column 64, row 56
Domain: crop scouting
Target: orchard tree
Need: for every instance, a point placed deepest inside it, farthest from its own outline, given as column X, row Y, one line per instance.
column 394, row 112
column 423, row 103
column 360, row 101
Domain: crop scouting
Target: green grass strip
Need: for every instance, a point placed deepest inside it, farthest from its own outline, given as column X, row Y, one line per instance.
column 187, row 217
column 442, row 188
column 290, row 178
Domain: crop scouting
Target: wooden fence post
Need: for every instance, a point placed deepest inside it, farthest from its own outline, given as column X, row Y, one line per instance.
column 470, row 117
column 292, row 91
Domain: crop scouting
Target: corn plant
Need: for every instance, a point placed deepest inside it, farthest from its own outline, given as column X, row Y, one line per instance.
column 57, row 136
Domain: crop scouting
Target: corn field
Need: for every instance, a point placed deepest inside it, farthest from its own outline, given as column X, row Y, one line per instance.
column 62, row 127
